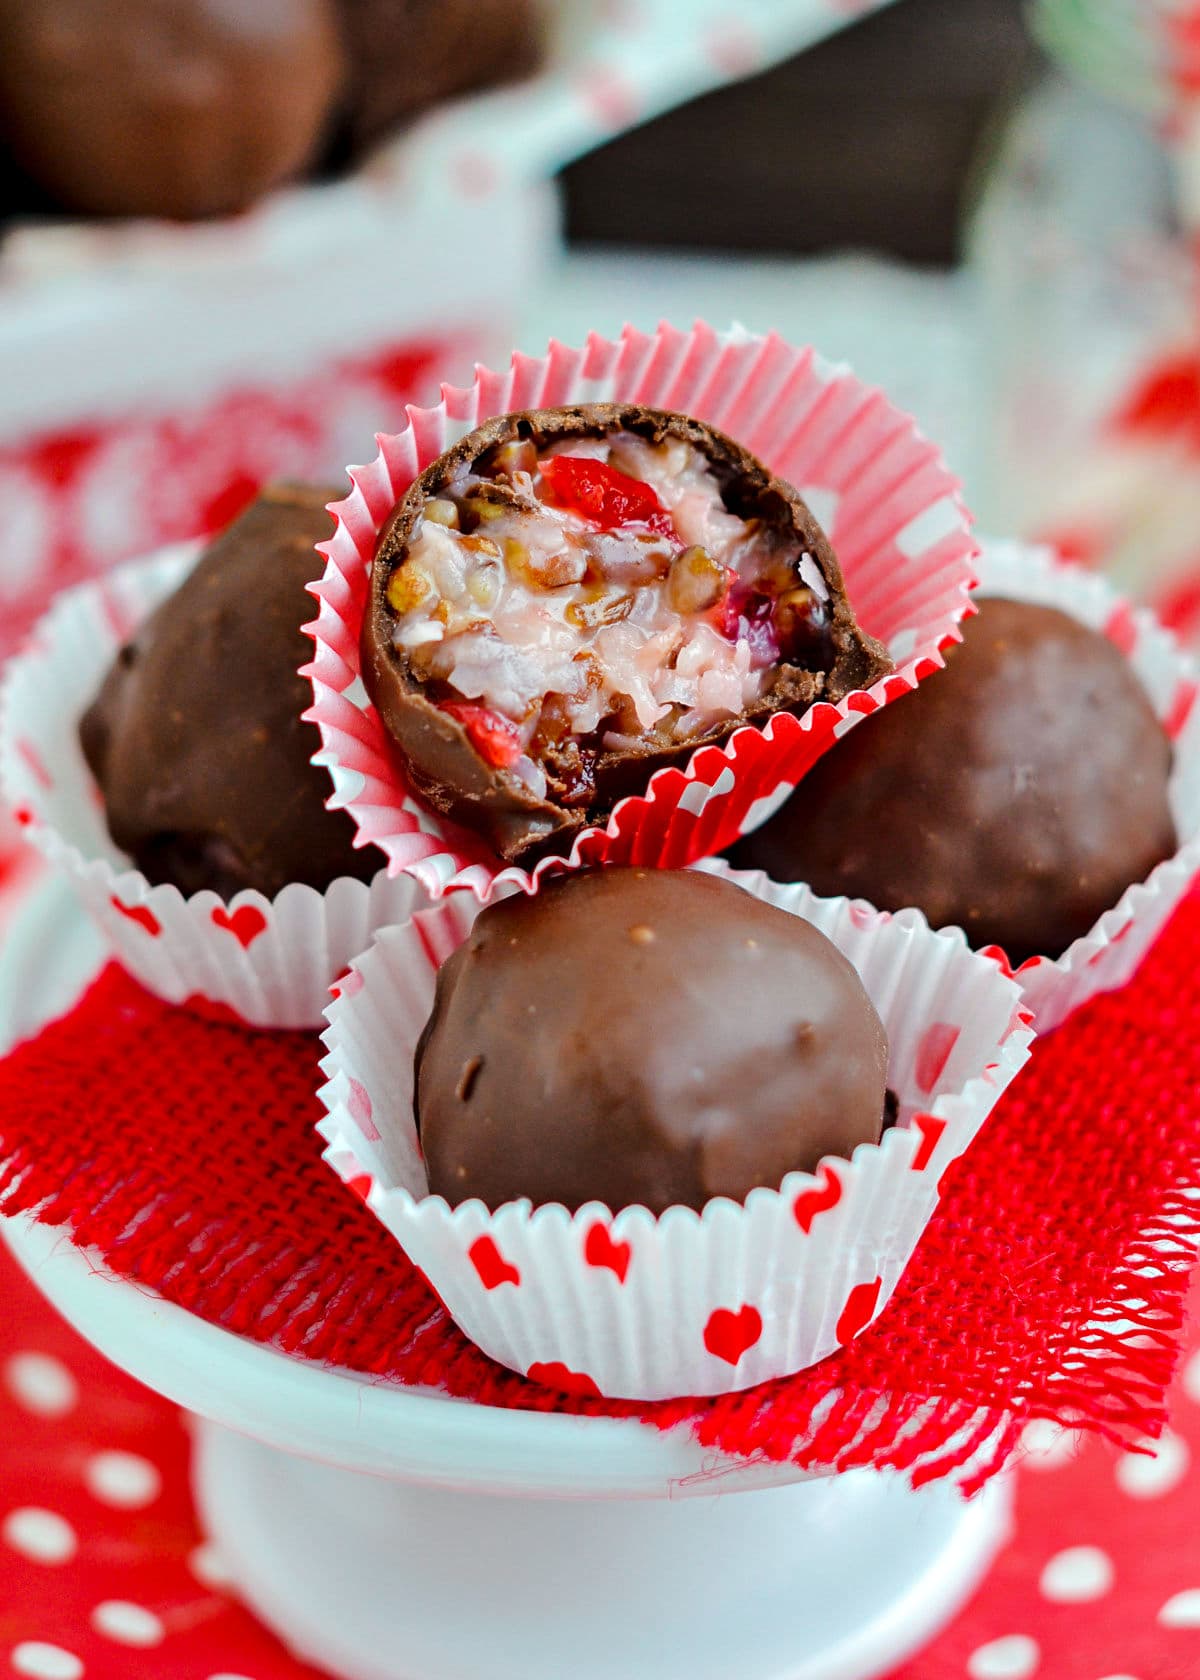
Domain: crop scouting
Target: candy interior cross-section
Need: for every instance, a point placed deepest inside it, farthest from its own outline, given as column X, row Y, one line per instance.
column 570, row 599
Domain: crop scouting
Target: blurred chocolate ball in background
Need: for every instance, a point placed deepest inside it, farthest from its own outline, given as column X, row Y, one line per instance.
column 172, row 108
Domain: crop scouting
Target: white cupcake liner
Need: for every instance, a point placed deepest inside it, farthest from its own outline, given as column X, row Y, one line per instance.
column 271, row 961
column 880, row 490
column 634, row 1306
column 1109, row 954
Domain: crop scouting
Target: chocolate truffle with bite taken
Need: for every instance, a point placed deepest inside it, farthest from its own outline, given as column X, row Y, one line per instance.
column 195, row 737
column 570, row 599
column 652, row 1037
column 1016, row 794
column 176, row 108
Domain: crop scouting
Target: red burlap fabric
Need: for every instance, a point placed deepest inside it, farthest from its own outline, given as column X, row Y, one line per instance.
column 1050, row 1283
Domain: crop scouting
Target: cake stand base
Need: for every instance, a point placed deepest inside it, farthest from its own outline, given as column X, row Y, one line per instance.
column 837, row 1578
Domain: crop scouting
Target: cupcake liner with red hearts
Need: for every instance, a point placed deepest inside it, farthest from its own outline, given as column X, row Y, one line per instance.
column 881, row 491
column 272, row 961
column 1107, row 956
column 636, row 1306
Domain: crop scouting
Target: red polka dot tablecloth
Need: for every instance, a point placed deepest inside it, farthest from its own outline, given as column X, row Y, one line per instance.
column 105, row 1574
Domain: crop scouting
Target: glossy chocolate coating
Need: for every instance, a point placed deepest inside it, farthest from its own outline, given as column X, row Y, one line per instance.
column 176, row 108
column 404, row 55
column 195, row 738
column 1015, row 795
column 439, row 759
column 641, row 1036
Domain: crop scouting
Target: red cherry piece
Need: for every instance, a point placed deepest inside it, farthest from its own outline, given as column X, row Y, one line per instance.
column 245, row 923
column 141, row 914
column 491, row 1265
column 746, row 616
column 823, row 1196
column 859, row 1310
column 600, row 1250
column 604, row 496
column 931, row 1127
column 728, row 1335
column 554, row 1374
column 494, row 738
column 933, row 1052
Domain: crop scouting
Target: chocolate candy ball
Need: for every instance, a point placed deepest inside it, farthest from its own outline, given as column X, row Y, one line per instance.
column 640, row 1036
column 1016, row 794
column 405, row 55
column 177, row 108
column 571, row 599
column 195, row 738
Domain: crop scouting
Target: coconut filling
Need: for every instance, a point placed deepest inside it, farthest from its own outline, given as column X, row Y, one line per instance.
column 598, row 596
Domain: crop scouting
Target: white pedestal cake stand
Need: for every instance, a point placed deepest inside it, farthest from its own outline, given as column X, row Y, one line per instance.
column 390, row 1534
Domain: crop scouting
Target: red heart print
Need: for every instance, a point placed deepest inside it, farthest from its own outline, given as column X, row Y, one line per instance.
column 23, row 816
column 600, row 1250
column 1181, row 708
column 35, row 764
column 859, row 1310
column 360, row 1184
column 931, row 1127
column 862, row 915
column 933, row 1052
column 1121, row 629
column 861, row 701
column 361, row 1110
column 728, row 1335
column 491, row 1265
column 553, row 1374
column 825, row 1195
column 348, row 984
column 245, row 924
column 141, row 914
column 1000, row 958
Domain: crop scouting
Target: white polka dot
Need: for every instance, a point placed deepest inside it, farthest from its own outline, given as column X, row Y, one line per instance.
column 128, row 1624
column 1046, row 1445
column 122, row 1479
column 45, row 1662
column 209, row 1566
column 1181, row 1611
column 1014, row 1657
column 228, row 1677
column 1144, row 1477
column 1077, row 1575
column 1191, row 1378
column 42, row 1536
column 41, row 1385
column 1119, row 1677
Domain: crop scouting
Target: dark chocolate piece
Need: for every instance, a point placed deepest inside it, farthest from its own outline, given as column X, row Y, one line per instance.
column 1015, row 794
column 195, row 738
column 570, row 599
column 641, row 1036
column 808, row 160
column 176, row 108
